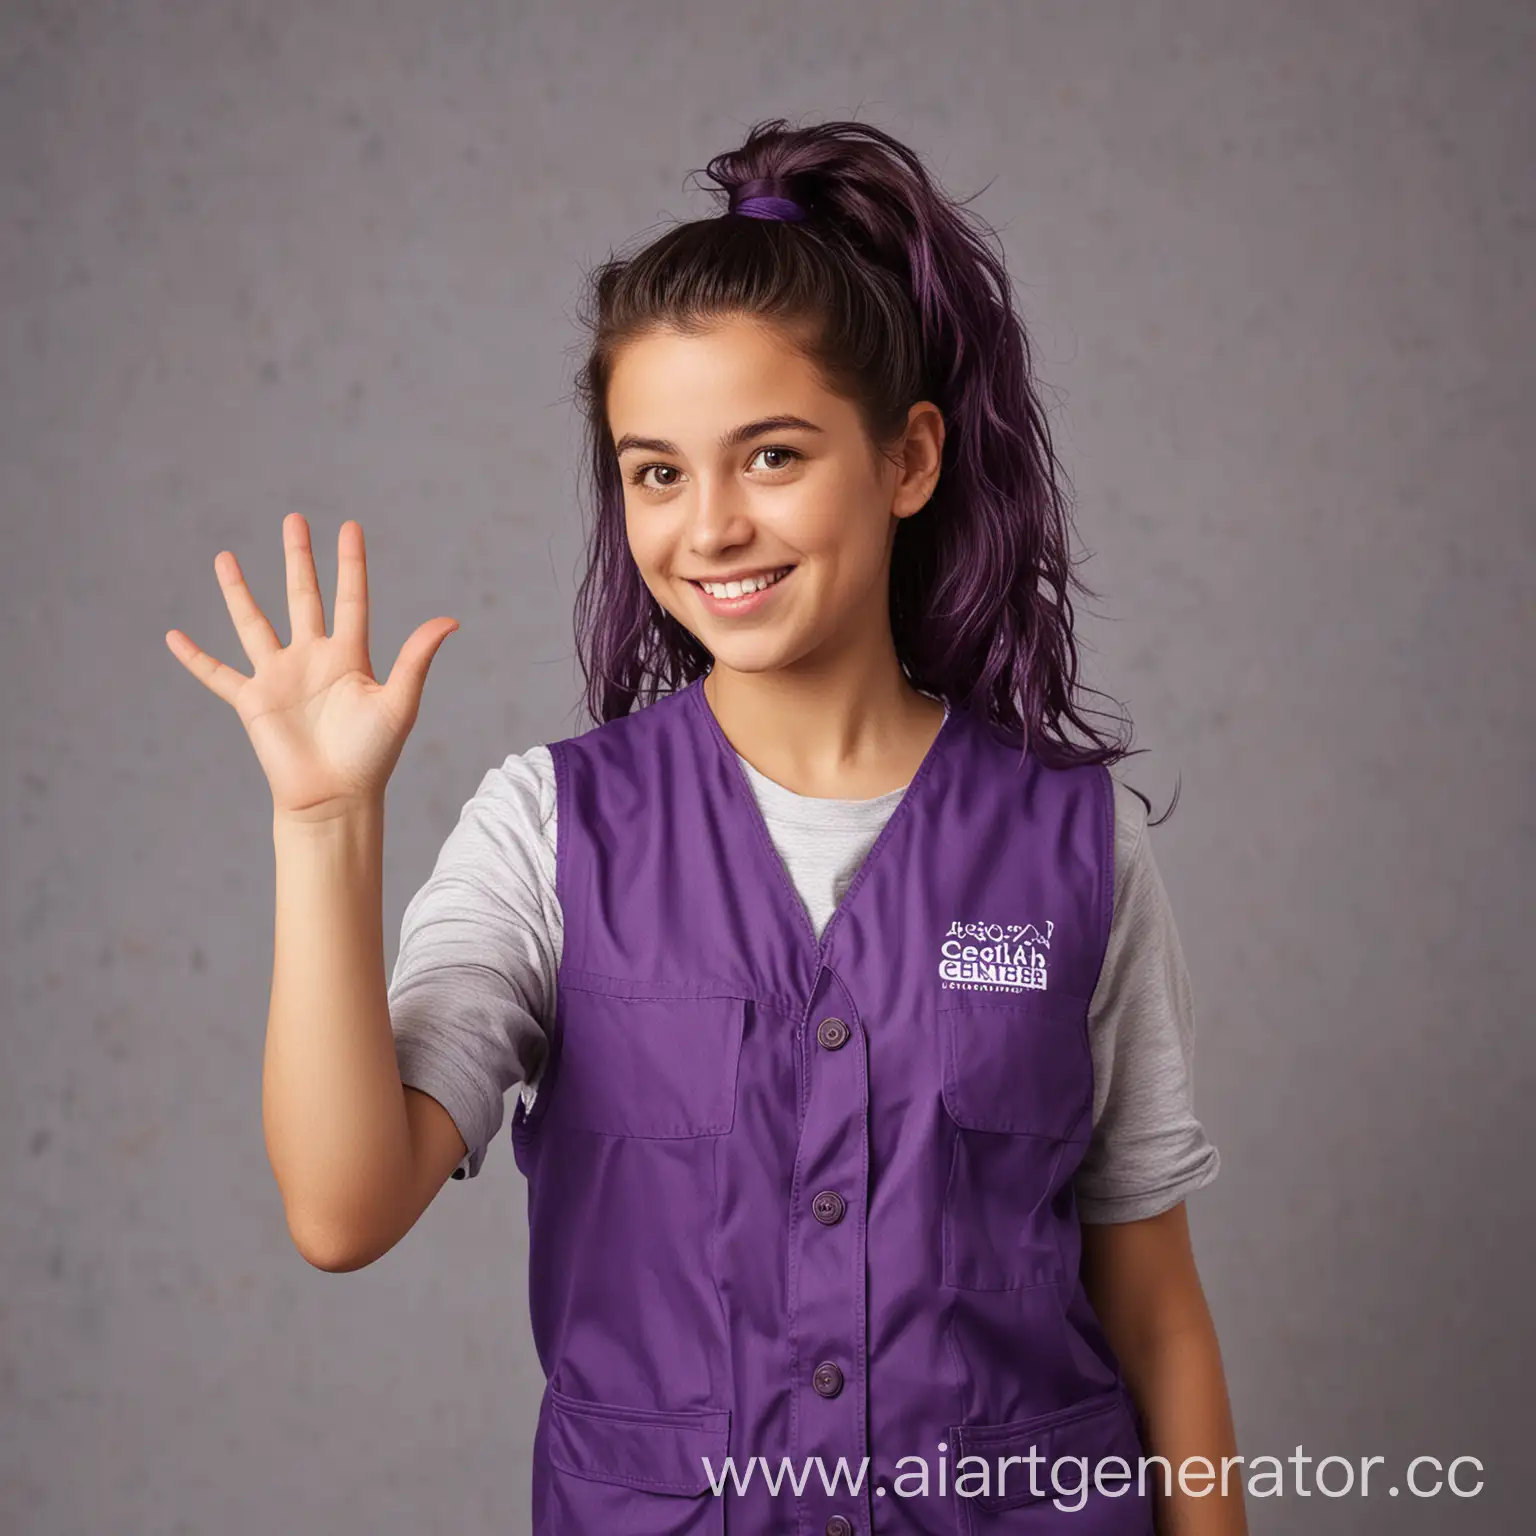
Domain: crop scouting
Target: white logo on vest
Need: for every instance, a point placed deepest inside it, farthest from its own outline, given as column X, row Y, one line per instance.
column 995, row 957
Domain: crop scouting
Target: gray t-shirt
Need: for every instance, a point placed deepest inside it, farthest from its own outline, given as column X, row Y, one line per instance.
column 480, row 943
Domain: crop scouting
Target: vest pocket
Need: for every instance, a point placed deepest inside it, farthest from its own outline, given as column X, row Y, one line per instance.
column 1073, row 1444
column 616, row 1468
column 643, row 1065
column 1018, row 1063
column 1018, row 1085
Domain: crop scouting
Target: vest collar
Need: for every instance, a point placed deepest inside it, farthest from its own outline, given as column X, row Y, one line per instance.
column 704, row 720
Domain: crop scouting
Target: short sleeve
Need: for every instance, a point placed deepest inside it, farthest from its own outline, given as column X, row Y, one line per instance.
column 479, row 953
column 1148, row 1150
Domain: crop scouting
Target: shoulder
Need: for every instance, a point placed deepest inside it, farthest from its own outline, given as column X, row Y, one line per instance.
column 523, row 782
column 1143, row 952
column 612, row 773
column 1130, row 836
column 531, row 775
column 643, row 730
column 510, row 818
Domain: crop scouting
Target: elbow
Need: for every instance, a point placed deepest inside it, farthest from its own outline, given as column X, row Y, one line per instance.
column 327, row 1249
column 341, row 1237
column 333, row 1263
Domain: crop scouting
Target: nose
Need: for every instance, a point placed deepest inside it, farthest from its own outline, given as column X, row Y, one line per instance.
column 717, row 517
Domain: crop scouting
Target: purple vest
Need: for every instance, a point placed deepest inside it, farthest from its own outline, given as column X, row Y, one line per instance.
column 798, row 1200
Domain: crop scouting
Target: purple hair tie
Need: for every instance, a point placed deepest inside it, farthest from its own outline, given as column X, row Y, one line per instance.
column 767, row 199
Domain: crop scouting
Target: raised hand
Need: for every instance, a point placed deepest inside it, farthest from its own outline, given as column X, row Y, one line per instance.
column 326, row 733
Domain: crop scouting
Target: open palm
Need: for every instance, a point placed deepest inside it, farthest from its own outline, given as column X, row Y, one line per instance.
column 326, row 733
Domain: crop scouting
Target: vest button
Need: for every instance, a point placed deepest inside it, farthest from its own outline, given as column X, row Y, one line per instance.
column 827, row 1378
column 827, row 1207
column 839, row 1526
column 832, row 1033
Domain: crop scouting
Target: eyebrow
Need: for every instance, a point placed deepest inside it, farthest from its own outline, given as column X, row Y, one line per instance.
column 731, row 439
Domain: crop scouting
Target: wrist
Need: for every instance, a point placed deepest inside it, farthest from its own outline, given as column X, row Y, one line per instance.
column 335, row 819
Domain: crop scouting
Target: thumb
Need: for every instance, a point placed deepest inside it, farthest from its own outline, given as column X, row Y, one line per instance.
column 408, row 676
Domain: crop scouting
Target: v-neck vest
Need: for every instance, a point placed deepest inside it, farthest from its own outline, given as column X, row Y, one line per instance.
column 793, row 1199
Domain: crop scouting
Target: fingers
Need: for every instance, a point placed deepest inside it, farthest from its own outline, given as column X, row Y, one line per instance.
column 222, row 680
column 306, row 616
column 257, row 637
column 352, row 586
column 408, row 677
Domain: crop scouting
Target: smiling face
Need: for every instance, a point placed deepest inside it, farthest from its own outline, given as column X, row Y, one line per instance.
column 741, row 468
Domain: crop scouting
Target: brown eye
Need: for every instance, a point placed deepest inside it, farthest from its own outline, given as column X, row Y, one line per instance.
column 637, row 477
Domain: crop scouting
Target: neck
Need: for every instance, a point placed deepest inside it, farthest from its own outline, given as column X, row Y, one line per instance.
column 852, row 733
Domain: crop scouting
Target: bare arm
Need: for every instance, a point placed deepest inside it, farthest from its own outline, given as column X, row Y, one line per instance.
column 1141, row 1279
column 357, row 1157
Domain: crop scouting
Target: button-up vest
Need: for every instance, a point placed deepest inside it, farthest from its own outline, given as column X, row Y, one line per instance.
column 794, row 1199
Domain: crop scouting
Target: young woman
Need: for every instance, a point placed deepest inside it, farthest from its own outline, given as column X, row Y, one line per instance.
column 849, row 1021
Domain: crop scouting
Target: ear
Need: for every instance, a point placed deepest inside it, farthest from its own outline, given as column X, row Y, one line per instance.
column 921, row 453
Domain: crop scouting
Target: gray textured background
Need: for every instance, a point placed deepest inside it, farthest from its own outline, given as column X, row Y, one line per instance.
column 262, row 258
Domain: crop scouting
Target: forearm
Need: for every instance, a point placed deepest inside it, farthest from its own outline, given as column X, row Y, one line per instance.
column 333, row 1108
column 1178, row 1382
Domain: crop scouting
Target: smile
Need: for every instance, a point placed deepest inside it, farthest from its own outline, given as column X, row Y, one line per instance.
column 747, row 584
column 733, row 597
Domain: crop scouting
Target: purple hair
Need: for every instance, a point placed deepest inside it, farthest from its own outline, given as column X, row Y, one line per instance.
column 891, row 290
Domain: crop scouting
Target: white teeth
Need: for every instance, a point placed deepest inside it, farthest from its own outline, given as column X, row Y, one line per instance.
column 740, row 588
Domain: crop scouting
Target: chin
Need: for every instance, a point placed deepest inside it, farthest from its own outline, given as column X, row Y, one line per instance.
column 740, row 654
